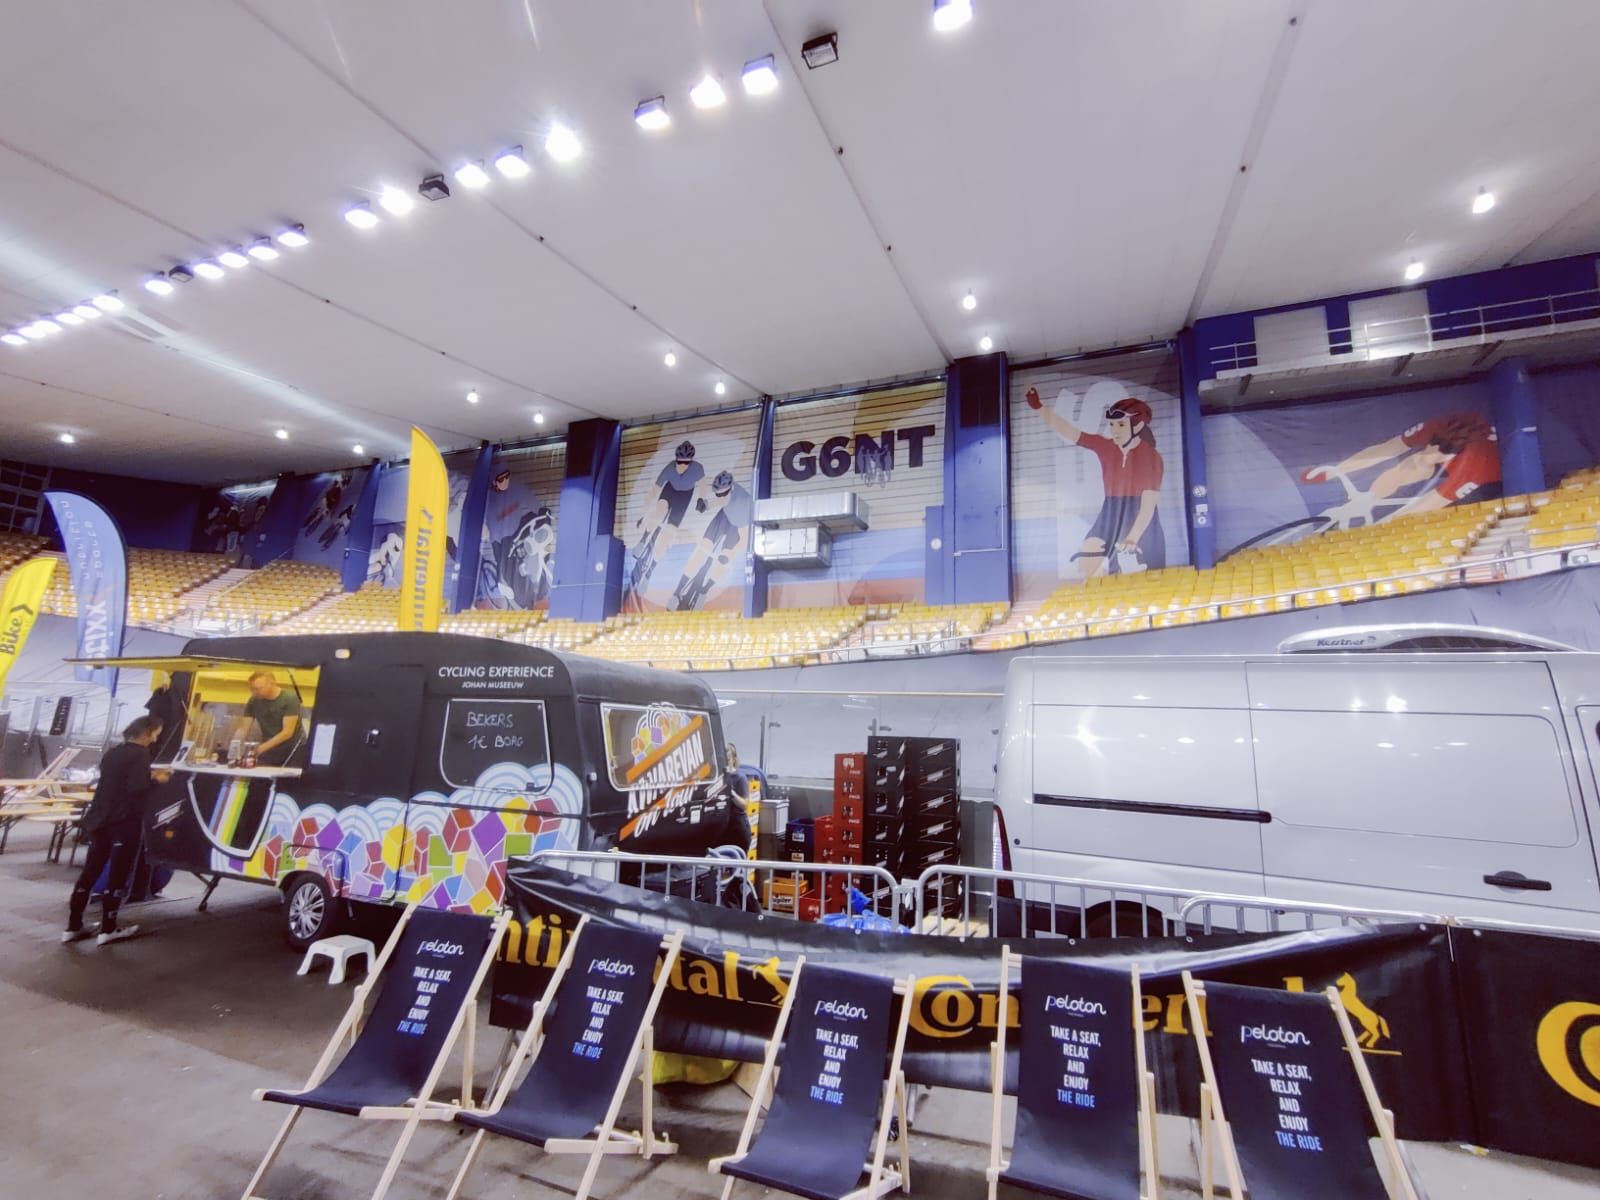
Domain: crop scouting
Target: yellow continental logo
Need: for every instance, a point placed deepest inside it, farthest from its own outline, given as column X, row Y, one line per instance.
column 1569, row 1049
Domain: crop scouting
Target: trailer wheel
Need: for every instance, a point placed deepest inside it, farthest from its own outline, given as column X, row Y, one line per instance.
column 308, row 910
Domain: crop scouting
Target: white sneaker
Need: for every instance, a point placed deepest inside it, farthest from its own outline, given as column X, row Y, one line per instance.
column 75, row 935
column 127, row 931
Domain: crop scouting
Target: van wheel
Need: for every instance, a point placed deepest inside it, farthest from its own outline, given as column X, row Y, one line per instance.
column 308, row 910
column 1125, row 919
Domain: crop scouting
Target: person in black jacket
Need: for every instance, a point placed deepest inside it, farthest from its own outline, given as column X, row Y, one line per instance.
column 114, row 824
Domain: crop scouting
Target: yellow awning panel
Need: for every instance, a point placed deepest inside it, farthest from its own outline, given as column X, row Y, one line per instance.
column 188, row 662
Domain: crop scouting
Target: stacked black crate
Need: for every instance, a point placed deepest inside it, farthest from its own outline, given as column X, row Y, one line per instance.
column 933, row 817
column 885, row 813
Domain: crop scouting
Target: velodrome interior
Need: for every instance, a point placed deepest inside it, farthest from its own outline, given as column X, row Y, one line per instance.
column 852, row 360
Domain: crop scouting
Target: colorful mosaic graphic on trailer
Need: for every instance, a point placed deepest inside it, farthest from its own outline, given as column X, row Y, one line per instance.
column 448, row 851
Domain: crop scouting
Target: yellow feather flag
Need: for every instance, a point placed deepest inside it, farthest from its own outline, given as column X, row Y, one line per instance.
column 427, row 514
column 19, row 608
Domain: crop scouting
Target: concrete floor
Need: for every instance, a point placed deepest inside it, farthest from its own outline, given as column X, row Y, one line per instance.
column 128, row 1071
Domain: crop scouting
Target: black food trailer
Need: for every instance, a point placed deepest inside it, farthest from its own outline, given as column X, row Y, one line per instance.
column 422, row 764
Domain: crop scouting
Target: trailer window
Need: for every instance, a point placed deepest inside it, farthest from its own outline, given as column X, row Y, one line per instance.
column 482, row 737
column 656, row 746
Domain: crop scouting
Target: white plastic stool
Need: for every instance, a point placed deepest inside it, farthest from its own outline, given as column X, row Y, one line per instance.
column 339, row 949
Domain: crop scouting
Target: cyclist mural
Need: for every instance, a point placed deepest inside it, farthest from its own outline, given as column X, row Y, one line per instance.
column 1280, row 475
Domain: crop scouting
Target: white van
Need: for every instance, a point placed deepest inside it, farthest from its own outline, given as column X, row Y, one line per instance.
column 1461, row 784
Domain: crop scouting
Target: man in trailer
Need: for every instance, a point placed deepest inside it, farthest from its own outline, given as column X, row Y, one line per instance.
column 114, row 823
column 276, row 713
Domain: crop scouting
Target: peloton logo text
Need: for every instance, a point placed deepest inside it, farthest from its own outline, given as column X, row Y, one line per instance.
column 1277, row 1037
column 611, row 967
column 840, row 1010
column 1076, row 1005
column 443, row 949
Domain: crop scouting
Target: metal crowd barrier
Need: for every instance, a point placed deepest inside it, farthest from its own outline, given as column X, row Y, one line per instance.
column 1272, row 915
column 779, row 888
column 975, row 901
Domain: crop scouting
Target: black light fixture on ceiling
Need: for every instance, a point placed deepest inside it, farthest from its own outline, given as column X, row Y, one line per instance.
column 821, row 50
column 180, row 274
column 434, row 188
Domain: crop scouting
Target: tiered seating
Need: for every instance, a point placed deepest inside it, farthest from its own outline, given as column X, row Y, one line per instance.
column 934, row 622
column 275, row 593
column 563, row 633
column 18, row 547
column 1567, row 516
column 372, row 609
column 1326, row 569
column 156, row 579
column 489, row 622
column 715, row 640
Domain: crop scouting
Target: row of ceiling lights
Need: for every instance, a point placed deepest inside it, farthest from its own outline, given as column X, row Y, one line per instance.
column 79, row 314
column 164, row 283
column 1481, row 203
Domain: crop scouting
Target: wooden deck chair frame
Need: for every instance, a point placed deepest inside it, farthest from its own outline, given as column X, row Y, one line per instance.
column 1397, row 1180
column 881, row 1180
column 1149, row 1160
column 421, row 1107
column 607, row 1139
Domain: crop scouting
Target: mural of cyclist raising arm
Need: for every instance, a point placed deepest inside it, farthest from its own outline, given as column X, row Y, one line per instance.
column 1450, row 458
column 1129, row 523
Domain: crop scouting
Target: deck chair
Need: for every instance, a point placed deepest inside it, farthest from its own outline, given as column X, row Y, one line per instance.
column 589, row 1031
column 1287, row 1067
column 839, row 1086
column 430, row 971
column 1080, row 1074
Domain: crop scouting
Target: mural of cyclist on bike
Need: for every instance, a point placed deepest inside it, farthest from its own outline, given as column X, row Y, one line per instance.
column 1452, row 457
column 1126, row 536
column 731, row 510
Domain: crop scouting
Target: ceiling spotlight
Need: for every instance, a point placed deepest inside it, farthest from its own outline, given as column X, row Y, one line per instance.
column 473, row 397
column 821, row 50
column 66, row 439
column 708, row 93
column 87, row 311
column 361, row 216
column 46, row 325
column 294, row 236
column 32, row 332
column 511, row 164
column 177, row 275
column 106, row 302
column 651, row 114
column 233, row 258
column 471, row 175
column 951, row 14
column 69, row 318
column 13, row 339
column 986, row 343
column 538, row 416
column 1414, row 270
column 358, row 448
column 759, row 76
column 969, row 301
column 1482, row 202
column 395, row 202
column 721, row 389
column 281, row 434
column 562, row 144
column 158, row 285
column 263, row 249
column 670, row 359
column 208, row 270
column 434, row 188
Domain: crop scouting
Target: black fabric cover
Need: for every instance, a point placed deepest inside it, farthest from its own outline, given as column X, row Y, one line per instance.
column 592, row 1025
column 819, row 1132
column 1078, row 1084
column 1285, row 1077
column 424, row 986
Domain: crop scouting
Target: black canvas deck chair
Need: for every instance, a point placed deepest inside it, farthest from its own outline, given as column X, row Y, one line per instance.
column 1080, row 1078
column 428, row 973
column 839, row 1086
column 1286, row 1093
column 589, row 1031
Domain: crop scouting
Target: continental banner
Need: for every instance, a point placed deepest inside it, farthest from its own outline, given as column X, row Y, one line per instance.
column 723, row 998
column 1532, row 1008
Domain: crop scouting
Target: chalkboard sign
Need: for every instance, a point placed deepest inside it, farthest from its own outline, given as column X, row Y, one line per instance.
column 1291, row 1095
column 481, row 734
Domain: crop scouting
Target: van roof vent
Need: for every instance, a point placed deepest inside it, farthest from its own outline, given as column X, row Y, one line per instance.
column 1356, row 639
